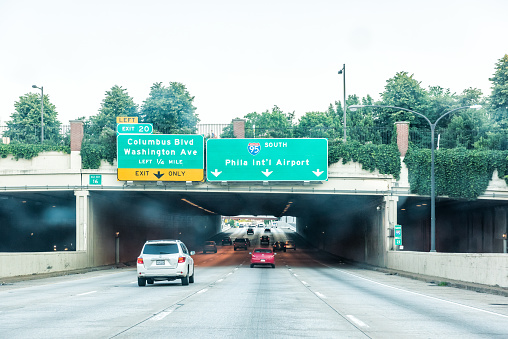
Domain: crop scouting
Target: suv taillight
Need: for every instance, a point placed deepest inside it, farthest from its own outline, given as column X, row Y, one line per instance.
column 140, row 260
column 181, row 260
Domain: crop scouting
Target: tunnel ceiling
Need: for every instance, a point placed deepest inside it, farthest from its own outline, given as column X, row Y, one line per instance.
column 231, row 204
column 220, row 203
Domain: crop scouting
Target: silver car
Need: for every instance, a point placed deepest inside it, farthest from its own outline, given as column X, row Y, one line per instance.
column 165, row 260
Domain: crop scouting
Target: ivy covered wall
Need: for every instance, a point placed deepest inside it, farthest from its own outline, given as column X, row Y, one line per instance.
column 459, row 173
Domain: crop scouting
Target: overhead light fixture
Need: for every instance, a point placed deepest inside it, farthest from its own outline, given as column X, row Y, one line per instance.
column 197, row 206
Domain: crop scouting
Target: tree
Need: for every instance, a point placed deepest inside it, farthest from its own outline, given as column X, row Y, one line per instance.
column 100, row 129
column 170, row 109
column 403, row 91
column 116, row 103
column 499, row 96
column 317, row 125
column 25, row 125
column 269, row 124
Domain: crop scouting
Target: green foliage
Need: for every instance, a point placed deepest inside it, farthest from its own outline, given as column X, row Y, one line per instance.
column 384, row 158
column 25, row 126
column 116, row 103
column 170, row 109
column 92, row 154
column 318, row 125
column 29, row 151
column 269, row 124
column 100, row 130
column 405, row 92
column 499, row 96
column 459, row 173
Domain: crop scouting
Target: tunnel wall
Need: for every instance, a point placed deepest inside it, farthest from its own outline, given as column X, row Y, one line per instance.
column 140, row 220
column 461, row 227
column 357, row 237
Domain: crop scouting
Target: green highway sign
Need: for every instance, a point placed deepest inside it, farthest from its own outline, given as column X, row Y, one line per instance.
column 160, row 157
column 267, row 159
column 95, row 179
column 398, row 234
column 134, row 128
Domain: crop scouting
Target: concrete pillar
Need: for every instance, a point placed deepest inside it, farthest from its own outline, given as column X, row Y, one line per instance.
column 77, row 132
column 239, row 128
column 82, row 224
column 402, row 136
column 390, row 220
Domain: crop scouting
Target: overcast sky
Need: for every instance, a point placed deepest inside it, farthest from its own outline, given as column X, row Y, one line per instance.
column 237, row 57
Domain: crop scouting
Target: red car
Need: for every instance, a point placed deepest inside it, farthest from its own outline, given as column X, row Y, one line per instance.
column 262, row 256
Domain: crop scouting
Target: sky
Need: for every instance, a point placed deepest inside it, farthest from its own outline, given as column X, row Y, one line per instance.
column 238, row 57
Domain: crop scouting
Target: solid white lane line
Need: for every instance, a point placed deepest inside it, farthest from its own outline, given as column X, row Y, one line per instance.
column 357, row 321
column 416, row 293
column 321, row 295
column 161, row 315
column 86, row 293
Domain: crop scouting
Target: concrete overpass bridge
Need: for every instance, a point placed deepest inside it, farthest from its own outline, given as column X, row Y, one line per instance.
column 51, row 199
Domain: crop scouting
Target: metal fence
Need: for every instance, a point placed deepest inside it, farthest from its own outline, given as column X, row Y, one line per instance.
column 444, row 138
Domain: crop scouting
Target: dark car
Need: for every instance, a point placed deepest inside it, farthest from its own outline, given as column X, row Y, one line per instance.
column 248, row 241
column 240, row 243
column 279, row 246
column 250, row 231
column 267, row 230
column 290, row 244
column 210, row 246
column 227, row 241
column 265, row 240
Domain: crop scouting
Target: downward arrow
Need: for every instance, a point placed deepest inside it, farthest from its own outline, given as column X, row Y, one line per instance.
column 158, row 174
column 216, row 173
column 318, row 172
column 267, row 173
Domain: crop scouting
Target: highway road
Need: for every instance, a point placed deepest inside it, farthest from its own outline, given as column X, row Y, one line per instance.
column 307, row 295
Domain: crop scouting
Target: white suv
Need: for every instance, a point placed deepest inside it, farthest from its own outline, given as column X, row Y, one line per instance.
column 165, row 260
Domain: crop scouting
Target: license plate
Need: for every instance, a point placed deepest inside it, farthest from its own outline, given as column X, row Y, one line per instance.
column 160, row 262
column 262, row 260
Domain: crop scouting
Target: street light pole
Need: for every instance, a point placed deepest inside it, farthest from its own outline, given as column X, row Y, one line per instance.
column 343, row 72
column 432, row 171
column 42, row 111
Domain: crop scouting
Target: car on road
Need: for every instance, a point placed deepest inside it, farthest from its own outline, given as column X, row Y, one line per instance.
column 240, row 243
column 267, row 230
column 290, row 245
column 248, row 241
column 227, row 241
column 210, row 246
column 165, row 260
column 250, row 231
column 265, row 240
column 262, row 256
column 279, row 246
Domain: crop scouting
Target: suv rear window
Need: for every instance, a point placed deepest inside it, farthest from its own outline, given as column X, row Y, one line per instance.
column 160, row 249
column 240, row 240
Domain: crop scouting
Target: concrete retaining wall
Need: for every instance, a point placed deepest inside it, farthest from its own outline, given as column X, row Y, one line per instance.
column 16, row 264
column 480, row 268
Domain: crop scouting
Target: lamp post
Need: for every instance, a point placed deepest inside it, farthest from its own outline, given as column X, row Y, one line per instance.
column 42, row 111
column 343, row 72
column 432, row 172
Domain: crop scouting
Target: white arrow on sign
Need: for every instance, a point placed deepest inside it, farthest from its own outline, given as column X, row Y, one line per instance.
column 318, row 172
column 216, row 173
column 267, row 173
